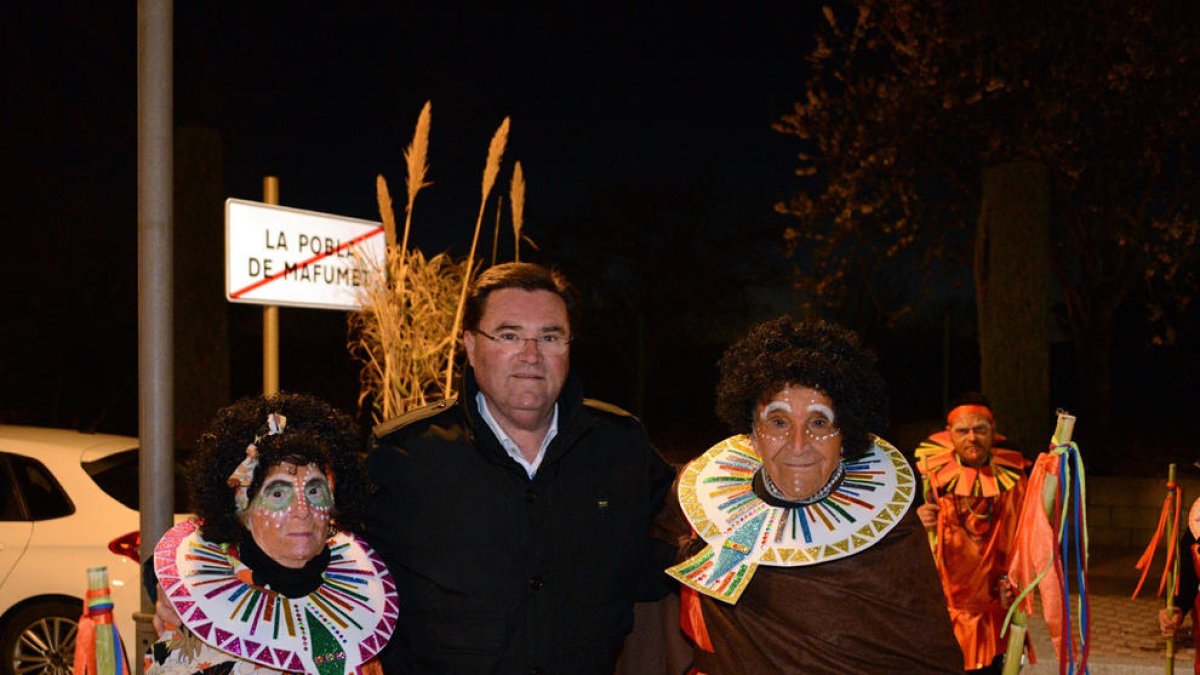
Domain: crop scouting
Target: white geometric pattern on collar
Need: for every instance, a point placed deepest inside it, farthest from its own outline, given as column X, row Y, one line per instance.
column 350, row 616
column 743, row 531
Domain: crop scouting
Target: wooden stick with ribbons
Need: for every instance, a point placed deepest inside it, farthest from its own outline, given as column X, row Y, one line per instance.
column 1168, row 523
column 931, row 497
column 98, row 648
column 1033, row 558
column 1173, row 566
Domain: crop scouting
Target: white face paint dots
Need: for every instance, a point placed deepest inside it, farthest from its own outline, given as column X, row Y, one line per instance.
column 796, row 435
column 289, row 517
column 777, row 421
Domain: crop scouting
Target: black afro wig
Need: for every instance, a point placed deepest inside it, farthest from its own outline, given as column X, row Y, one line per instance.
column 315, row 433
column 816, row 354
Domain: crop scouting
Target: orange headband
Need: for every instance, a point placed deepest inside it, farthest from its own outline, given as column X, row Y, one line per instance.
column 970, row 409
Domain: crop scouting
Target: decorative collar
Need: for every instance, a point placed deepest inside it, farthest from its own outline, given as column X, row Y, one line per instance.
column 339, row 626
column 937, row 460
column 743, row 530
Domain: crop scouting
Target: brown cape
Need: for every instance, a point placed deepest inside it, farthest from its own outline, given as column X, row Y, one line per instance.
column 878, row 611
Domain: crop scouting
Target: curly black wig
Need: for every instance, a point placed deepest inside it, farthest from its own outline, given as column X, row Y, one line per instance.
column 816, row 354
column 315, row 433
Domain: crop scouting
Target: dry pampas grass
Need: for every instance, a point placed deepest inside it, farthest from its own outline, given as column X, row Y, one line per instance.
column 385, row 211
column 408, row 306
column 516, row 197
column 406, row 333
column 401, row 335
column 416, row 160
column 491, row 169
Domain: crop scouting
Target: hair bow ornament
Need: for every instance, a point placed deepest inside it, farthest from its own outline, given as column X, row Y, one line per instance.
column 243, row 475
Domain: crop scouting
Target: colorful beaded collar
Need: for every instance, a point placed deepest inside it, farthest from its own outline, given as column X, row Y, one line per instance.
column 937, row 460
column 743, row 531
column 336, row 628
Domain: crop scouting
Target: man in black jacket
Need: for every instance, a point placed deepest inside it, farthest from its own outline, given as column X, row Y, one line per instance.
column 515, row 519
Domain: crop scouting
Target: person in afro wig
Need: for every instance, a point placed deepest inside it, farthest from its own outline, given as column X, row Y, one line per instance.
column 817, row 355
column 272, row 557
column 315, row 433
column 797, row 547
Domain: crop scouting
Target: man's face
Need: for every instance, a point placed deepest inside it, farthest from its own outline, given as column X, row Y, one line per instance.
column 971, row 433
column 798, row 440
column 522, row 383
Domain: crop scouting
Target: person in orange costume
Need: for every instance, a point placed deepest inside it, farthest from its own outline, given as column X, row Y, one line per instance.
column 975, row 482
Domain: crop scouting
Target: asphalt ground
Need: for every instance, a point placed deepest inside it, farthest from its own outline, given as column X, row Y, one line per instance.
column 1124, row 636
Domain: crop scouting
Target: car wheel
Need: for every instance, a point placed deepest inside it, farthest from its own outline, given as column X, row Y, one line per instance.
column 40, row 639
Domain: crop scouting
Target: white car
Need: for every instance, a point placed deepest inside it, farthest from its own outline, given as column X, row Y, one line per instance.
column 67, row 502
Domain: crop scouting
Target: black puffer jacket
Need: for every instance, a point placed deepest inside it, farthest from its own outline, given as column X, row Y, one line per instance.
column 498, row 573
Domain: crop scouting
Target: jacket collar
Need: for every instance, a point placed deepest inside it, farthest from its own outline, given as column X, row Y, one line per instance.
column 573, row 422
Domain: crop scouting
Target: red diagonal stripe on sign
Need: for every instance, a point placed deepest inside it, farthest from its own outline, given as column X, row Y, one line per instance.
column 306, row 263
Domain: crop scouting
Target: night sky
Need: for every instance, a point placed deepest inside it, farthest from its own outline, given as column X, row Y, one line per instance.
column 641, row 129
column 644, row 132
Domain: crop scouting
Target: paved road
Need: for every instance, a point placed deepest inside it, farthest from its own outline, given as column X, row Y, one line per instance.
column 1125, row 639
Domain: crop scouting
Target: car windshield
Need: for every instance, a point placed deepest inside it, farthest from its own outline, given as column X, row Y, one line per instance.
column 117, row 475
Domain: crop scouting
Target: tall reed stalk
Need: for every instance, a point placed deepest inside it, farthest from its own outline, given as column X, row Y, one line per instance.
column 490, row 170
column 412, row 307
column 400, row 337
column 516, row 198
column 408, row 305
column 496, row 229
column 416, row 160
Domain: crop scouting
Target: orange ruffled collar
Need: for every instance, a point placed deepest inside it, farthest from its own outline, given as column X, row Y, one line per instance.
column 937, row 460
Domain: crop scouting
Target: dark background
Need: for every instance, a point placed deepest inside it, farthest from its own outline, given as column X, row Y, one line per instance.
column 644, row 132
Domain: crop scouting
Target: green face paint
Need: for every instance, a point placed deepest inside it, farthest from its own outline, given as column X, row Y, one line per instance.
column 276, row 496
column 318, row 494
column 279, row 495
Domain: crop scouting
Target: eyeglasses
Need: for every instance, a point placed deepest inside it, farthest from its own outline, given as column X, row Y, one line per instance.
column 511, row 342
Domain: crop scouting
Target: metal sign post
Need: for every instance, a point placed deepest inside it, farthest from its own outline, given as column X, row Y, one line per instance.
column 270, row 312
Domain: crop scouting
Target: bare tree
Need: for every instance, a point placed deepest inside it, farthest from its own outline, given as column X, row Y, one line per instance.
column 908, row 102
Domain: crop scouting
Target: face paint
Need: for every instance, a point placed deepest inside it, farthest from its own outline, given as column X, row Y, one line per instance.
column 280, row 495
column 971, row 433
column 289, row 518
column 800, row 451
column 777, row 422
column 818, row 407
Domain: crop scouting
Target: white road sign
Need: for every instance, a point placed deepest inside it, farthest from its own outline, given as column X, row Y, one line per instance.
column 275, row 255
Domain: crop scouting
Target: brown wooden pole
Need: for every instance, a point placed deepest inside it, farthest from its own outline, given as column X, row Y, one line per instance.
column 1173, row 572
column 270, row 312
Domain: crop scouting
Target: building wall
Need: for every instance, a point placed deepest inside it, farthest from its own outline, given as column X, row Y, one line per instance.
column 1123, row 512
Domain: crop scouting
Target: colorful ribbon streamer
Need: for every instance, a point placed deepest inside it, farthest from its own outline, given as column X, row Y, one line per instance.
column 98, row 649
column 1057, row 484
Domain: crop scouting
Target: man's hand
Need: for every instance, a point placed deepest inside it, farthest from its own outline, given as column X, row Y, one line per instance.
column 1169, row 621
column 165, row 618
column 1005, row 591
column 928, row 513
